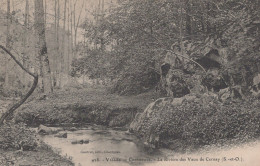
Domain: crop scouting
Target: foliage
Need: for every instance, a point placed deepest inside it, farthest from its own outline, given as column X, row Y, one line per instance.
column 196, row 124
column 89, row 105
column 135, row 35
column 92, row 65
column 17, row 136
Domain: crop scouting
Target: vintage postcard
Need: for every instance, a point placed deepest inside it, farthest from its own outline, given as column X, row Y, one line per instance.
column 129, row 82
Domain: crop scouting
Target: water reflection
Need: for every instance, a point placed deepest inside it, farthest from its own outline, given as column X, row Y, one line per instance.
column 105, row 147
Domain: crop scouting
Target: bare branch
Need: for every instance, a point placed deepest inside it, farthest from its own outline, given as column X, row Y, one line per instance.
column 10, row 111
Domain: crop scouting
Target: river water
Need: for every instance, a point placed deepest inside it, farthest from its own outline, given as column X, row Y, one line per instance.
column 105, row 147
column 114, row 147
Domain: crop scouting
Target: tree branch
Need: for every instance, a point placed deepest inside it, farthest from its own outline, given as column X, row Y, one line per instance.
column 13, row 57
column 28, row 94
column 176, row 54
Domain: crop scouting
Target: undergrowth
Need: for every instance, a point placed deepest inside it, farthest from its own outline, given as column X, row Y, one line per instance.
column 17, row 137
column 194, row 124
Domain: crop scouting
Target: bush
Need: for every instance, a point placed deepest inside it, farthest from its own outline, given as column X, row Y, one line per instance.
column 16, row 137
column 135, row 83
column 196, row 124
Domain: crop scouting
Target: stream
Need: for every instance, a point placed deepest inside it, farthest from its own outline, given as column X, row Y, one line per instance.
column 105, row 147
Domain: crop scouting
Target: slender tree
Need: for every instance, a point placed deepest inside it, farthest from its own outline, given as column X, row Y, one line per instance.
column 63, row 43
column 76, row 24
column 45, row 12
column 188, row 18
column 54, row 74
column 58, row 62
column 25, row 36
column 8, row 42
column 71, row 29
column 69, row 40
column 42, row 47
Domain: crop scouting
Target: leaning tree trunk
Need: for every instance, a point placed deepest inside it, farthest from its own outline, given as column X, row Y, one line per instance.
column 8, row 42
column 10, row 111
column 42, row 47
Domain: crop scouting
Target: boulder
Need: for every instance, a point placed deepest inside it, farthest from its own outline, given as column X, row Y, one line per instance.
column 214, row 81
column 61, row 135
column 224, row 94
column 255, row 89
column 237, row 93
column 175, row 84
column 256, row 80
column 44, row 130
column 135, row 123
column 147, row 124
column 86, row 141
column 73, row 129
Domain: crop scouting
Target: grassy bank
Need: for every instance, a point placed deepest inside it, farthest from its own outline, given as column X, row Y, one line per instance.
column 194, row 124
column 89, row 105
column 198, row 122
column 21, row 146
column 43, row 156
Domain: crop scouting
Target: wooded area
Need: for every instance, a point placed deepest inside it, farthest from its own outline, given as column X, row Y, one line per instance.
column 108, row 60
column 125, row 43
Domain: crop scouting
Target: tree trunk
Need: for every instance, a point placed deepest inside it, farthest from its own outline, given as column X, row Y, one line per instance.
column 208, row 22
column 62, row 57
column 10, row 111
column 69, row 48
column 42, row 47
column 188, row 19
column 71, row 31
column 54, row 73
column 181, row 30
column 102, row 43
column 76, row 24
column 58, row 62
column 8, row 42
column 25, row 38
column 45, row 12
column 39, row 60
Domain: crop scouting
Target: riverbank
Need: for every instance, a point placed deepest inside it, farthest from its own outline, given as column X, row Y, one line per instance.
column 67, row 107
column 192, row 122
column 181, row 124
column 41, row 156
column 88, row 105
column 20, row 145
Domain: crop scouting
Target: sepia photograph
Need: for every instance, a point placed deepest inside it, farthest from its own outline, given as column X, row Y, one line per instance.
column 129, row 82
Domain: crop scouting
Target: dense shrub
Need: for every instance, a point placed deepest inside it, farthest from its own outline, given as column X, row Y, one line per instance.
column 196, row 124
column 135, row 83
column 17, row 136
